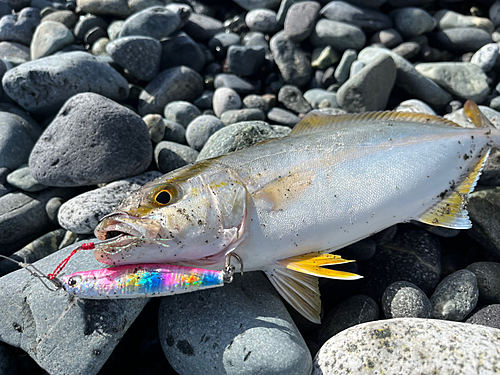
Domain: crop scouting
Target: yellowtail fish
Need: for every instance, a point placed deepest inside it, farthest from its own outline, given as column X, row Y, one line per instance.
column 283, row 205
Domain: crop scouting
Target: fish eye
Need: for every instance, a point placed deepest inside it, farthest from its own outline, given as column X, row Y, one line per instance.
column 163, row 197
column 74, row 280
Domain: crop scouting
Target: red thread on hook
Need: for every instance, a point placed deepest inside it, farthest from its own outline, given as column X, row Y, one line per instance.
column 60, row 267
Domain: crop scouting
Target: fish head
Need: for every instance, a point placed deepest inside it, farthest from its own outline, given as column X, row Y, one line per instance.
column 194, row 215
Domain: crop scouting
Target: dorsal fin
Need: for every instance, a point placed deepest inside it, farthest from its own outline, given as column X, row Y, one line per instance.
column 474, row 115
column 451, row 212
column 316, row 121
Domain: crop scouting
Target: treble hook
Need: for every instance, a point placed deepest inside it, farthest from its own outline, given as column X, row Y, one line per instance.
column 229, row 268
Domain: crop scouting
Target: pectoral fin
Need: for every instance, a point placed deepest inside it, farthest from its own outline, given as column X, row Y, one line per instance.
column 451, row 212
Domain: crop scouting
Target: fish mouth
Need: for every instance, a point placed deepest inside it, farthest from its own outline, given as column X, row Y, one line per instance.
column 116, row 225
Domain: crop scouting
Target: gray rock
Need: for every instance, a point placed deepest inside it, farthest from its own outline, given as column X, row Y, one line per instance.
column 52, row 208
column 339, row 35
column 370, row 88
column 291, row 97
column 140, row 55
column 256, row 101
column 403, row 299
column 356, row 67
column 257, row 4
column 283, row 10
column 448, row 19
column 99, row 48
column 155, row 22
column 179, row 49
column 201, row 129
column 170, row 155
column 220, row 42
column 455, row 296
column 263, row 20
column 182, row 10
column 22, row 179
column 414, row 106
column 87, row 23
column 202, row 28
column 366, row 19
column 75, row 149
column 237, row 137
column 293, row 63
column 82, row 213
column 49, row 37
column 494, row 13
column 389, row 38
column 354, row 310
column 409, row 79
column 259, row 335
column 282, row 116
column 66, row 17
column 246, row 114
column 156, row 127
column 17, row 138
column 14, row 53
column 114, row 29
column 181, row 112
column 245, row 60
column 238, row 84
column 300, row 20
column 488, row 316
column 343, row 69
column 462, row 39
column 488, row 281
column 205, row 100
column 42, row 86
column 179, row 83
column 116, row 8
column 63, row 334
column 484, row 210
column 19, row 27
column 410, row 345
column 465, row 80
column 412, row 22
column 225, row 99
column 486, row 56
column 315, row 96
column 407, row 50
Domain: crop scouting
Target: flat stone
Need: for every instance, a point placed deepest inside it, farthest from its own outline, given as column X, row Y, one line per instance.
column 140, row 55
column 179, row 49
column 22, row 179
column 179, row 83
column 488, row 281
column 300, row 20
column 389, row 38
column 291, row 97
column 257, row 4
column 82, row 213
column 225, row 99
column 42, row 86
column 263, row 20
column 343, row 69
column 118, row 8
column 282, row 116
column 181, row 112
column 465, row 80
column 341, row 35
column 170, row 156
column 455, row 296
column 462, row 39
column 369, row 90
column 488, row 316
column 14, row 53
column 201, row 129
column 293, row 63
column 74, row 150
column 62, row 334
column 409, row 79
column 366, row 19
column 155, row 22
column 259, row 335
column 19, row 27
column 411, row 346
column 486, row 56
column 49, row 37
column 245, row 60
column 202, row 28
column 403, row 299
column 246, row 114
column 448, row 19
column 315, row 96
column 414, row 106
column 412, row 22
column 241, row 85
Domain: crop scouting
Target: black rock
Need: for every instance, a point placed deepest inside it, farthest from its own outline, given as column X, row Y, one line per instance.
column 403, row 299
column 87, row 23
column 238, row 84
column 488, row 281
column 202, row 28
column 179, row 49
column 245, row 60
column 155, row 22
column 486, row 316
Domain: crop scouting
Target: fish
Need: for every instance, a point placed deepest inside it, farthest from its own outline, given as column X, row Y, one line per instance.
column 284, row 205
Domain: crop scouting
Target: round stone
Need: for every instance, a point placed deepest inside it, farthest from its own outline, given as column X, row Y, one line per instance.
column 155, row 22
column 412, row 22
column 201, row 129
column 263, row 20
column 488, row 281
column 339, row 34
column 403, row 299
column 300, row 20
column 19, row 27
column 49, row 37
column 181, row 112
column 170, row 156
column 225, row 99
column 156, row 127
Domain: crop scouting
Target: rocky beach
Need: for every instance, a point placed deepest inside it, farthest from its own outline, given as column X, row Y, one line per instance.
column 99, row 97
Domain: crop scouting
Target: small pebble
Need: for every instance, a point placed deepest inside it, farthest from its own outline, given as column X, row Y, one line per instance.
column 315, row 96
column 246, row 114
column 222, row 41
column 155, row 22
column 170, row 156
column 412, row 22
column 300, row 20
column 181, row 112
column 225, row 99
column 339, row 34
column 49, row 37
column 256, row 101
column 263, row 20
column 52, row 208
column 407, row 50
column 156, row 127
column 291, row 97
column 486, row 56
column 389, row 38
column 403, row 299
column 282, row 116
column 448, row 19
column 343, row 69
column 368, row 20
column 322, row 58
column 414, row 106
column 201, row 129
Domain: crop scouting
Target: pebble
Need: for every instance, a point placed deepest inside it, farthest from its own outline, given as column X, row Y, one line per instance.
column 389, row 38
column 462, row 39
column 66, row 17
column 49, row 37
column 403, row 299
column 465, row 80
column 455, row 296
column 370, row 88
column 19, row 27
column 22, row 179
column 414, row 106
column 225, row 99
column 155, row 22
column 258, row 4
column 259, row 335
column 410, row 345
column 156, row 127
column 351, row 312
column 86, row 128
column 116, row 8
column 256, row 101
column 140, row 55
column 179, row 49
column 14, row 53
column 448, row 19
column 237, row 137
column 245, row 60
column 33, row 87
column 356, row 67
column 170, row 155
column 38, row 320
column 82, row 213
column 324, row 57
column 246, row 114
column 407, row 50
column 409, row 79
column 222, row 41
column 238, row 84
column 293, row 63
column 368, row 20
column 343, row 69
column 291, row 97
column 282, row 116
column 494, row 13
column 52, row 208
column 114, row 29
column 174, row 132
column 263, row 20
column 315, row 96
column 488, row 316
column 488, row 281
column 412, row 22
column 182, row 10
column 201, row 129
column 179, row 83
column 339, row 34
column 300, row 20
column 87, row 23
column 202, row 28
column 181, row 112
column 486, row 56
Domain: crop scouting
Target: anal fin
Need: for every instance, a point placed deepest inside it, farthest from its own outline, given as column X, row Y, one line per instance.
column 451, row 212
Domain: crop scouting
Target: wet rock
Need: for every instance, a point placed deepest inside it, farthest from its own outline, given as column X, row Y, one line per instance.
column 403, row 299
column 170, row 155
